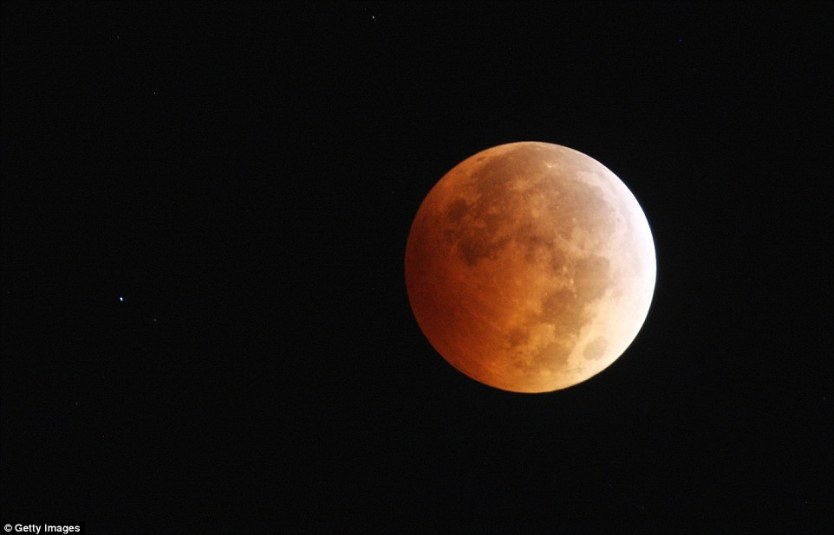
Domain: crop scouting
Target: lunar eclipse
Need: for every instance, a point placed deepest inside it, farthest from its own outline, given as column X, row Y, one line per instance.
column 530, row 267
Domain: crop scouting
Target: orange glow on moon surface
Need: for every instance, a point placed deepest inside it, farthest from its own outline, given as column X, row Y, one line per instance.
column 530, row 267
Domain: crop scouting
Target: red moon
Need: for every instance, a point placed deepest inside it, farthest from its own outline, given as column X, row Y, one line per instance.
column 530, row 267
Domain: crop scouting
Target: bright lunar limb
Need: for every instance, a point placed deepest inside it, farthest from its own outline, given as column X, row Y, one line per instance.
column 530, row 267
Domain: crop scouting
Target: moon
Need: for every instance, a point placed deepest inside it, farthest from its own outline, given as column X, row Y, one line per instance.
column 530, row 267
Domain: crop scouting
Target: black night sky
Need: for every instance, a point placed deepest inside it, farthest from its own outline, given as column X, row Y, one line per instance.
column 205, row 327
